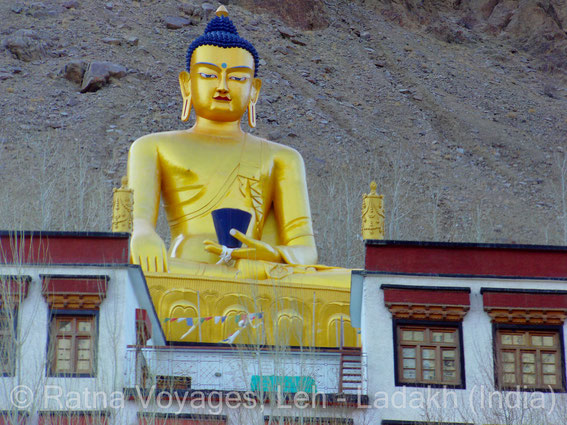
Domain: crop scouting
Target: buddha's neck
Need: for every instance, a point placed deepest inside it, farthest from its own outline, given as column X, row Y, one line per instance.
column 217, row 128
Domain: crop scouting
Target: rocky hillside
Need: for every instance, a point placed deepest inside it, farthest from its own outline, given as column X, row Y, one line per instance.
column 457, row 108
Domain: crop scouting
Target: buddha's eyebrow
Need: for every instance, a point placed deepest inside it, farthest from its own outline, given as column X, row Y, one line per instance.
column 207, row 63
column 241, row 66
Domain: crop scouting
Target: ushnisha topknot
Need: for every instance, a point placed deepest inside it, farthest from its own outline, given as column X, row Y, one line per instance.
column 221, row 32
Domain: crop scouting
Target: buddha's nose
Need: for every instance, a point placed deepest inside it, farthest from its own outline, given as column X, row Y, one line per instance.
column 223, row 86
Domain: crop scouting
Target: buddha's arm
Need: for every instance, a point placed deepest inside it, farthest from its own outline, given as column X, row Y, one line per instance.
column 293, row 217
column 291, row 208
column 146, row 247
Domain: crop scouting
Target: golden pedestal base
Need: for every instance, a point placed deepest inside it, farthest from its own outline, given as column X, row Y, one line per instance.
column 295, row 313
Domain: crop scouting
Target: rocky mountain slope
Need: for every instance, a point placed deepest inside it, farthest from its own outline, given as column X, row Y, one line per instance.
column 457, row 109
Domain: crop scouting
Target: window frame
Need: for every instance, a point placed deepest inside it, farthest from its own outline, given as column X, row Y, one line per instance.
column 527, row 328
column 51, row 352
column 458, row 326
column 12, row 365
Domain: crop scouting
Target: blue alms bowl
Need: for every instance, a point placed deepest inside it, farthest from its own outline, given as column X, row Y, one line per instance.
column 230, row 218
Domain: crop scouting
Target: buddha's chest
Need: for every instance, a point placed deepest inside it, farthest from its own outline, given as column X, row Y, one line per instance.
column 190, row 164
column 191, row 173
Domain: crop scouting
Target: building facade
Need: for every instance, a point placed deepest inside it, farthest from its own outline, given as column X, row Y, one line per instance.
column 463, row 333
column 81, row 342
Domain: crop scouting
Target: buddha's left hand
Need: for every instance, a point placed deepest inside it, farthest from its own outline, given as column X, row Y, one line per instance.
column 254, row 250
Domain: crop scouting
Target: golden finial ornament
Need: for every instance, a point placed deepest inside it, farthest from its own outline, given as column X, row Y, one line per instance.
column 221, row 11
column 122, row 205
column 373, row 214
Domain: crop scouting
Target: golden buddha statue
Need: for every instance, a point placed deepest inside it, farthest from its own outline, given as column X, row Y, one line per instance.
column 216, row 165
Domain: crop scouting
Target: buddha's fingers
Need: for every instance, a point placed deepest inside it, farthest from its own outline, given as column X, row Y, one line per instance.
column 252, row 243
column 164, row 261
column 214, row 249
column 248, row 253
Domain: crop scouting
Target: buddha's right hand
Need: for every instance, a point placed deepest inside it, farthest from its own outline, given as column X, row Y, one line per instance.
column 148, row 250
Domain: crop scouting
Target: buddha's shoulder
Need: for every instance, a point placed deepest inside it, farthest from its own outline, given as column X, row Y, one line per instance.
column 278, row 150
column 157, row 139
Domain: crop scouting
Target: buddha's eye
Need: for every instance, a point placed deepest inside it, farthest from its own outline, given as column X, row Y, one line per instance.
column 208, row 76
column 237, row 78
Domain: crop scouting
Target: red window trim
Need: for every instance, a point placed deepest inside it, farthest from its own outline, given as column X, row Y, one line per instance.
column 443, row 304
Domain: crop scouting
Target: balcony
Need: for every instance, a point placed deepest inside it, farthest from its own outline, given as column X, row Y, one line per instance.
column 324, row 371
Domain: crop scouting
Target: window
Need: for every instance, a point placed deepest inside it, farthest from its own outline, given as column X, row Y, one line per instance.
column 429, row 355
column 7, row 342
column 529, row 358
column 73, row 340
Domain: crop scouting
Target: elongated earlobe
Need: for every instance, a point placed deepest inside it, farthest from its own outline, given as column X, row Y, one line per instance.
column 254, row 94
column 252, row 114
column 185, row 85
column 186, row 111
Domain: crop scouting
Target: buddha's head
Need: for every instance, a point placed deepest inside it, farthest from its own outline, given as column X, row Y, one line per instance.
column 220, row 81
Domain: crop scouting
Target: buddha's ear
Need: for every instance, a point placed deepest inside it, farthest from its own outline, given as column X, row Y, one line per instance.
column 255, row 90
column 185, row 84
column 254, row 93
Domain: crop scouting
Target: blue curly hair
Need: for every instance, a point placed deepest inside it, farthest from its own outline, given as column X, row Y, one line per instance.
column 221, row 32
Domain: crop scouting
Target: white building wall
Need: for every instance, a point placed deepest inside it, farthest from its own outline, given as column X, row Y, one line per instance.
column 116, row 329
column 378, row 344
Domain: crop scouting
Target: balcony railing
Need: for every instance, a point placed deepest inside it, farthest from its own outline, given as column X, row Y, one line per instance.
column 239, row 369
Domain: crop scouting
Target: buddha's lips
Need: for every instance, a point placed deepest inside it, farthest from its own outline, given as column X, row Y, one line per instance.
column 221, row 98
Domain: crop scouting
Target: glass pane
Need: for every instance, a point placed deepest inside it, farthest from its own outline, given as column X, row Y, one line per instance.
column 509, row 367
column 449, row 374
column 63, row 365
column 528, row 357
column 428, row 364
column 449, row 354
column 64, row 343
column 84, row 354
column 428, row 375
column 449, row 364
column 409, row 363
column 548, row 358
column 528, row 368
column 529, row 379
column 537, row 340
column 409, row 374
column 407, row 335
column 449, row 336
column 65, row 326
column 548, row 341
column 437, row 336
column 549, row 379
column 509, row 378
column 428, row 353
column 518, row 339
column 63, row 355
column 83, row 366
column 508, row 357
column 84, row 344
column 548, row 368
column 418, row 335
column 84, row 326
column 408, row 352
column 506, row 339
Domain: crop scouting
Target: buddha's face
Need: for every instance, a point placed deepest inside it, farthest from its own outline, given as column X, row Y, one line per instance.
column 222, row 82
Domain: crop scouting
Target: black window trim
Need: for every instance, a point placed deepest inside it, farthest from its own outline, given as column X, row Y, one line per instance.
column 75, row 313
column 429, row 323
column 522, row 327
